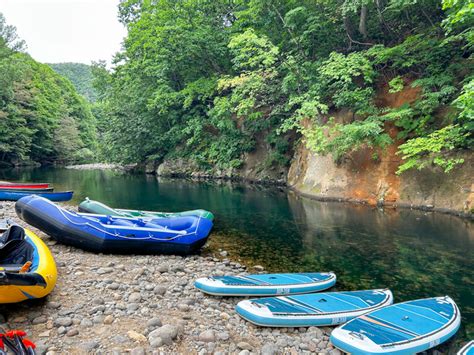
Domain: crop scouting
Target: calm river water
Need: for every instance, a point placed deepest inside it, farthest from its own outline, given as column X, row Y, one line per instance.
column 415, row 254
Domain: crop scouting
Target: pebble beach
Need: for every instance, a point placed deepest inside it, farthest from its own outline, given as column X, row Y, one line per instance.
column 145, row 304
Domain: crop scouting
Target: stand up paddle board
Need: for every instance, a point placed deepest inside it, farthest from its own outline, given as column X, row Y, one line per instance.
column 316, row 309
column 266, row 284
column 403, row 328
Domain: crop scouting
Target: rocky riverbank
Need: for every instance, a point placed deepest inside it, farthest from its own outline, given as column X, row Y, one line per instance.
column 145, row 304
column 102, row 166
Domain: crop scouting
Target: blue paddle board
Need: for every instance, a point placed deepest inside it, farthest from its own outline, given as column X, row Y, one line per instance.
column 317, row 309
column 467, row 349
column 403, row 328
column 266, row 284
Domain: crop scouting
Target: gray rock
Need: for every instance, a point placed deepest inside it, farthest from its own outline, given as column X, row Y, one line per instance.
column 63, row 322
column 41, row 347
column 98, row 319
column 183, row 307
column 62, row 330
column 137, row 351
column 113, row 286
column 315, row 332
column 88, row 346
column 167, row 333
column 162, row 268
column 105, row 270
column 87, row 323
column 53, row 305
column 159, row 290
column 132, row 307
column 154, row 323
column 223, row 336
column 134, row 297
column 98, row 301
column 303, row 346
column 156, row 342
column 97, row 309
column 38, row 320
column 207, row 336
column 119, row 339
column 269, row 349
column 72, row 332
column 245, row 346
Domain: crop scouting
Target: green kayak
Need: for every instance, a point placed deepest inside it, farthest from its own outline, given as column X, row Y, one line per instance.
column 95, row 207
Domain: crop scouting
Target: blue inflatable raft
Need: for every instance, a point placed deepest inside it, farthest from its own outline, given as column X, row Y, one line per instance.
column 108, row 234
column 52, row 196
column 316, row 309
column 403, row 328
column 266, row 284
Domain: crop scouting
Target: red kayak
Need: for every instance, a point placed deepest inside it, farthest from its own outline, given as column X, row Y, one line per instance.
column 21, row 185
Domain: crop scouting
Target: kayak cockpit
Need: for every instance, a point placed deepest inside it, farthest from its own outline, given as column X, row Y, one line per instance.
column 17, row 259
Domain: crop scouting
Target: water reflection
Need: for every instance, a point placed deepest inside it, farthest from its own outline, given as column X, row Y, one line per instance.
column 416, row 254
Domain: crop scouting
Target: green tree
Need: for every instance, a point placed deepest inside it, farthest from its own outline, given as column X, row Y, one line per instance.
column 35, row 104
column 206, row 80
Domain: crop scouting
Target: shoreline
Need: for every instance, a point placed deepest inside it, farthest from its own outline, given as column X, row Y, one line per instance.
column 101, row 166
column 277, row 183
column 392, row 205
column 324, row 198
column 144, row 304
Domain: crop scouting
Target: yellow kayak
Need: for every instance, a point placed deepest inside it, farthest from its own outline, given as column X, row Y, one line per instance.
column 27, row 268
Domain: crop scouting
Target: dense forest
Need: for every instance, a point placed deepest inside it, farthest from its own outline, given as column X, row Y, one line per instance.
column 204, row 79
column 80, row 76
column 207, row 80
column 42, row 117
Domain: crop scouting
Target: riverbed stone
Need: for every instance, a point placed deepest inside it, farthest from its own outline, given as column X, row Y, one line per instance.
column 63, row 322
column 207, row 336
column 244, row 345
column 88, row 346
column 269, row 349
column 146, row 303
column 154, row 323
column 167, row 333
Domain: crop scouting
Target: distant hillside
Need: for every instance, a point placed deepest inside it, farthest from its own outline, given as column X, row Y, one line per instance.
column 80, row 75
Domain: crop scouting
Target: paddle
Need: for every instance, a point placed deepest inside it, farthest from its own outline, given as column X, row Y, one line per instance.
column 15, row 341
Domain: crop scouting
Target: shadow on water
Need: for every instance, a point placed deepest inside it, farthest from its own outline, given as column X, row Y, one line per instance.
column 416, row 254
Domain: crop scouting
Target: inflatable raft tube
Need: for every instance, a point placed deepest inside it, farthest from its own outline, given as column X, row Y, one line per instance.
column 266, row 284
column 315, row 309
column 107, row 234
column 403, row 328
column 95, row 207
column 27, row 268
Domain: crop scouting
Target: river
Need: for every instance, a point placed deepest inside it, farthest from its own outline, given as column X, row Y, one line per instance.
column 415, row 254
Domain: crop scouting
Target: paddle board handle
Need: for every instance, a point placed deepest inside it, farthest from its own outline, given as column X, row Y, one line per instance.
column 357, row 335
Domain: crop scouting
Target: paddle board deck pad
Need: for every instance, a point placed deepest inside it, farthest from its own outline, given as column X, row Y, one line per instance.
column 467, row 349
column 316, row 309
column 403, row 328
column 266, row 284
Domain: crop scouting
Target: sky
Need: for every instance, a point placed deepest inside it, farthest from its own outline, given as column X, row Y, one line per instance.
column 59, row 31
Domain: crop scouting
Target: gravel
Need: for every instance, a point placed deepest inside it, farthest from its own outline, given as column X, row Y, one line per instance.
column 145, row 303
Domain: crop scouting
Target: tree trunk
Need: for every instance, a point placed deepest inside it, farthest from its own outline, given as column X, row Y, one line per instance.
column 363, row 21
